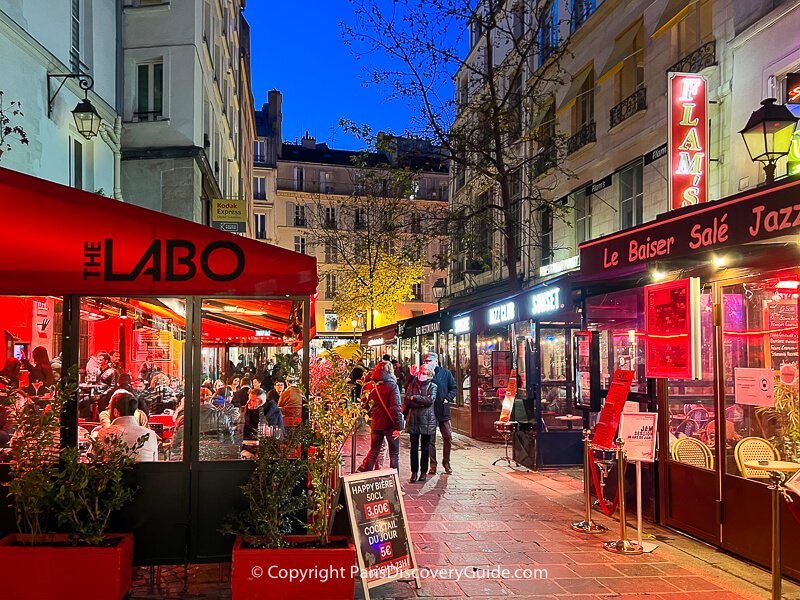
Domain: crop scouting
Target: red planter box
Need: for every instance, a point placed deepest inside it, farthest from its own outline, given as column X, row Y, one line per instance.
column 65, row 572
column 277, row 573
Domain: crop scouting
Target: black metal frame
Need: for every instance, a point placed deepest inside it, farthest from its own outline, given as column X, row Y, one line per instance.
column 583, row 137
column 631, row 105
column 697, row 60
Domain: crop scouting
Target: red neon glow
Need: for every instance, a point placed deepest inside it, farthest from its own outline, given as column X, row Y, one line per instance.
column 688, row 139
column 788, row 284
column 761, row 332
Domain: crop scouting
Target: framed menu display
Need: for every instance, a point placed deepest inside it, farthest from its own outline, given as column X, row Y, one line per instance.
column 586, row 359
column 501, row 368
column 780, row 318
column 672, row 329
column 606, row 429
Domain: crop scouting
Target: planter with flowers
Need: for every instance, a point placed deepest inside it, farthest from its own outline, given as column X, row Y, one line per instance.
column 296, row 477
column 63, row 503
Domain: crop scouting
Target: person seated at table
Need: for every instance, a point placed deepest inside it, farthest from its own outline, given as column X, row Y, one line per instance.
column 10, row 372
column 159, row 394
column 276, row 391
column 242, row 394
column 219, row 398
column 261, row 410
column 39, row 371
column 125, row 426
column 105, row 416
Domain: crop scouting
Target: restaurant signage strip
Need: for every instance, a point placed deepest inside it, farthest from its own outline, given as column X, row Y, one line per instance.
column 654, row 155
column 688, row 139
column 380, row 528
column 672, row 327
column 462, row 325
column 434, row 327
column 606, row 429
column 229, row 215
column 98, row 246
column 762, row 215
column 546, row 301
column 597, row 186
column 501, row 313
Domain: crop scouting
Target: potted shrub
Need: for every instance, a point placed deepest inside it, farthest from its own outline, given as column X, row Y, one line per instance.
column 51, row 490
column 264, row 552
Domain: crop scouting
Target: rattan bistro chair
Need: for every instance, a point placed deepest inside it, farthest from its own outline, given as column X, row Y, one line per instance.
column 754, row 448
column 692, row 451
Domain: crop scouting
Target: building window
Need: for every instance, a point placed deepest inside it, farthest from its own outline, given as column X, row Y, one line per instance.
column 331, row 251
column 583, row 112
column 360, row 218
column 548, row 31
column 546, row 236
column 259, row 151
column 261, row 226
column 515, row 108
column 331, row 320
column 326, row 182
column 75, row 37
column 76, row 164
column 581, row 10
column 149, row 91
column 483, row 230
column 300, row 244
column 475, row 30
column 631, row 196
column 299, row 179
column 515, row 214
column 518, row 20
column 416, row 293
column 462, row 96
column 695, row 28
column 260, row 188
column 583, row 216
column 631, row 77
column 331, row 284
column 330, row 217
column 299, row 215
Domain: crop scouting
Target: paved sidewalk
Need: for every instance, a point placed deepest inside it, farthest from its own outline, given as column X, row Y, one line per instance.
column 484, row 517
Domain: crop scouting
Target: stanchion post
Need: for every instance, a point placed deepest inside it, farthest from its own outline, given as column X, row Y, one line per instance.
column 775, row 486
column 587, row 525
column 623, row 545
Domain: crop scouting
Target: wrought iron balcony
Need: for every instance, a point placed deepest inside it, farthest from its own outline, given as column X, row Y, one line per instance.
column 585, row 135
column 704, row 56
column 627, row 108
column 544, row 161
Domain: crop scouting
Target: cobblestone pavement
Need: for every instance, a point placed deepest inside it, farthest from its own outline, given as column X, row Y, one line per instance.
column 483, row 517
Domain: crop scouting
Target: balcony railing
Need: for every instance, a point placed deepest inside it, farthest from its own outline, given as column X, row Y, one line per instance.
column 627, row 108
column 585, row 135
column 544, row 161
column 704, row 56
column 148, row 115
column 347, row 187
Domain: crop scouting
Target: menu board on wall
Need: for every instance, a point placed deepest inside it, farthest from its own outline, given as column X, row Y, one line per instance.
column 672, row 326
column 501, row 368
column 781, row 343
column 380, row 527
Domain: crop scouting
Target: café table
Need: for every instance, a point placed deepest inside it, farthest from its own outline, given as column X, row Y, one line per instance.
column 570, row 419
column 779, row 471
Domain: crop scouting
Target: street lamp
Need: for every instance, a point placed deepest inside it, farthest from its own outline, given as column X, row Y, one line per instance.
column 768, row 135
column 87, row 120
column 439, row 289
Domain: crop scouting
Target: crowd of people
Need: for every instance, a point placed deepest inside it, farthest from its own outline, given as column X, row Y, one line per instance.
column 417, row 401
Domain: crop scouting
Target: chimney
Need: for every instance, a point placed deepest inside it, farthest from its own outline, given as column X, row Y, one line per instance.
column 275, row 117
column 309, row 142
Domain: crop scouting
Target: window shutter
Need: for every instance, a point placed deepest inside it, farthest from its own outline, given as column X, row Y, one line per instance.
column 290, row 214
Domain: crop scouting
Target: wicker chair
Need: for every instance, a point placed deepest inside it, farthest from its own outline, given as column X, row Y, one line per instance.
column 754, row 448
column 692, row 452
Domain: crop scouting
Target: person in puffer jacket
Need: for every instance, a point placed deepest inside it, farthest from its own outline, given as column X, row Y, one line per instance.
column 386, row 417
column 422, row 422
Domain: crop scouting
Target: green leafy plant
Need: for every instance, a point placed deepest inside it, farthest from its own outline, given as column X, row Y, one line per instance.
column 273, row 498
column 783, row 419
column 88, row 493
column 333, row 417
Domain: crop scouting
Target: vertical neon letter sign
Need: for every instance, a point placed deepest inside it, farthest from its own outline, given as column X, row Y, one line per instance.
column 688, row 139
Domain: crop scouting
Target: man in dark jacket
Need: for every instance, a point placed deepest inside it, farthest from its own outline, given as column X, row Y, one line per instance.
column 386, row 416
column 445, row 393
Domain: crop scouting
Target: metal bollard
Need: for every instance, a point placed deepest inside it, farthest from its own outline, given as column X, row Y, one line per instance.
column 587, row 525
column 623, row 545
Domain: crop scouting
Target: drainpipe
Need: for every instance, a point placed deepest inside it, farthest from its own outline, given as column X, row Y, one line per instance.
column 112, row 138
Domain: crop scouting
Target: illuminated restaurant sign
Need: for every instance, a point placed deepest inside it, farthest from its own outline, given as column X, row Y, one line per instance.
column 434, row 327
column 502, row 313
column 672, row 327
column 748, row 217
column 462, row 325
column 688, row 139
column 546, row 301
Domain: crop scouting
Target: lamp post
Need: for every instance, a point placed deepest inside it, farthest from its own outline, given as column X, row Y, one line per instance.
column 439, row 289
column 87, row 120
column 768, row 135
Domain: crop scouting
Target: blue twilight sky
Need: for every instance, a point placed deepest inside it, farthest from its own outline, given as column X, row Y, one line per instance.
column 297, row 48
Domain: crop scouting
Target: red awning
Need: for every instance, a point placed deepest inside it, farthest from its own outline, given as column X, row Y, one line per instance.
column 60, row 240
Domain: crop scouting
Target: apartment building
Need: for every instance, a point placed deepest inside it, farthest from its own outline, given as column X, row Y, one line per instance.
column 185, row 98
column 44, row 70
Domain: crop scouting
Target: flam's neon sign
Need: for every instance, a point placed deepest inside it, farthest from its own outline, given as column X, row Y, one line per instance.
column 688, row 139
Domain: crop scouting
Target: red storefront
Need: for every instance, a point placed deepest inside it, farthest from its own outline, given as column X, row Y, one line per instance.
column 740, row 254
column 174, row 303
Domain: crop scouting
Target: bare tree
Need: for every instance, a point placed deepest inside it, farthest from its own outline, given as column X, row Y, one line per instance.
column 503, row 60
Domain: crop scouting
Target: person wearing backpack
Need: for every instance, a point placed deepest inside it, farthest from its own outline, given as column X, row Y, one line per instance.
column 386, row 416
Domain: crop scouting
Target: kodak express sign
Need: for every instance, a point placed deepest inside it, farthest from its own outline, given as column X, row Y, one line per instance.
column 229, row 214
column 688, row 139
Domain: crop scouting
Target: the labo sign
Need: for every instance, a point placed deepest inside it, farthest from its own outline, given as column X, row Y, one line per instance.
column 688, row 139
column 747, row 218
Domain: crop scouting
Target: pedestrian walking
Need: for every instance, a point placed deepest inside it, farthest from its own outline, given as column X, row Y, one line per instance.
column 445, row 393
column 421, row 417
column 386, row 417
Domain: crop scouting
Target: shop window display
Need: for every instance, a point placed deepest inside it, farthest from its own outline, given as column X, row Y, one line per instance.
column 31, row 328
column 462, row 370
column 494, row 368
column 762, row 404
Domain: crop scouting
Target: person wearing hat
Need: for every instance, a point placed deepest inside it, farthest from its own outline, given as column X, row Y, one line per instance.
column 445, row 393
